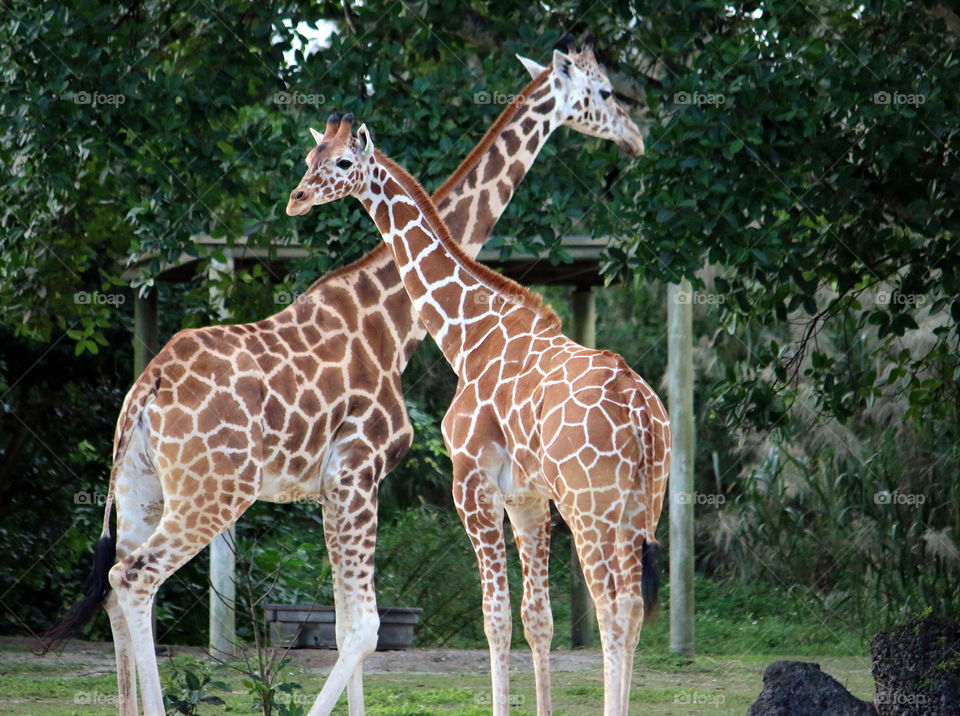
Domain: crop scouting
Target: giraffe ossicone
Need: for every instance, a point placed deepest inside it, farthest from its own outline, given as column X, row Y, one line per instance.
column 536, row 418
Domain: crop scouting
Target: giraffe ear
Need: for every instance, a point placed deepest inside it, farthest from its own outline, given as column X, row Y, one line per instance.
column 366, row 140
column 534, row 68
column 562, row 63
column 316, row 135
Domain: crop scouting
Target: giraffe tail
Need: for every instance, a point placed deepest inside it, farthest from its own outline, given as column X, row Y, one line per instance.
column 94, row 593
column 97, row 586
column 650, row 578
column 653, row 433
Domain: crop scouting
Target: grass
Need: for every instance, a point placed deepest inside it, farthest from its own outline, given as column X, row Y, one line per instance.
column 739, row 628
column 662, row 685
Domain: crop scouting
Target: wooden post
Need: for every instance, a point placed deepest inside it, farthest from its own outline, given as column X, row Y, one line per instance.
column 223, row 557
column 223, row 595
column 680, row 397
column 583, row 615
column 146, row 335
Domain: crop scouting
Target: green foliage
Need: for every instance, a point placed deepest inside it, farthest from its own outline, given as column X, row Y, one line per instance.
column 186, row 685
column 867, row 529
column 805, row 149
column 272, row 694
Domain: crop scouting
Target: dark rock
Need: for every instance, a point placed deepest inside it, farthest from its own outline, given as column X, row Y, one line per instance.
column 795, row 688
column 916, row 667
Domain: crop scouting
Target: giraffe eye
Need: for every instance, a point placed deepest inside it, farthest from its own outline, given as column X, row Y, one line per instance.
column 605, row 94
column 344, row 164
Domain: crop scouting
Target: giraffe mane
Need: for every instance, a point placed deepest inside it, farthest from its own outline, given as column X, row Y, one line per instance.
column 488, row 277
column 471, row 160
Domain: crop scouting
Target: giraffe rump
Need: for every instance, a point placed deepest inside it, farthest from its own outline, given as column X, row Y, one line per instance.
column 95, row 591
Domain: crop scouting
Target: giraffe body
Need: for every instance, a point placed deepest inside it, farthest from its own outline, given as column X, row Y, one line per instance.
column 305, row 404
column 536, row 417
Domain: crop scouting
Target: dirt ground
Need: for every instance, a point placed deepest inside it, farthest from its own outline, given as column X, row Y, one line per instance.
column 97, row 658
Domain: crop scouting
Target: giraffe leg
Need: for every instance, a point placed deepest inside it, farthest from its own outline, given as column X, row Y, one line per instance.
column 613, row 641
column 331, row 536
column 635, row 618
column 631, row 602
column 482, row 517
column 615, row 589
column 619, row 615
column 135, row 579
column 126, row 663
column 139, row 502
column 351, row 556
column 531, row 527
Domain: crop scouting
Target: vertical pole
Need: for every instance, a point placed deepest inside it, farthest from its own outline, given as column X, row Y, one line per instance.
column 146, row 336
column 223, row 557
column 680, row 397
column 583, row 615
column 223, row 595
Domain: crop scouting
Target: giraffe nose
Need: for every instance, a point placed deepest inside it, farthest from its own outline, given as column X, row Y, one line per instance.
column 298, row 194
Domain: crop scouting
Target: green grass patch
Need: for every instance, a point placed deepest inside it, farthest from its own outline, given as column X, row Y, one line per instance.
column 722, row 684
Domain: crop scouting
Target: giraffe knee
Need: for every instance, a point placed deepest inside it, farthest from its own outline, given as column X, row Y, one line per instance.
column 133, row 575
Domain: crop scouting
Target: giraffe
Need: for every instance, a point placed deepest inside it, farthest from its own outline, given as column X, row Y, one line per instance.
column 305, row 404
column 536, row 417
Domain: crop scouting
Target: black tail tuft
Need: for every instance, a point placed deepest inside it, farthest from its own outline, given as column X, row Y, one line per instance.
column 650, row 579
column 94, row 593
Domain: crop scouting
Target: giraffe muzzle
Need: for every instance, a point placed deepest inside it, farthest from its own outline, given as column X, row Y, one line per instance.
column 632, row 145
column 299, row 203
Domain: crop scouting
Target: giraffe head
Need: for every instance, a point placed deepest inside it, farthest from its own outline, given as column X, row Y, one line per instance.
column 585, row 96
column 336, row 167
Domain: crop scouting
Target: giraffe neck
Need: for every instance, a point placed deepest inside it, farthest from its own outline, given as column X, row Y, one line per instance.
column 472, row 200
column 458, row 300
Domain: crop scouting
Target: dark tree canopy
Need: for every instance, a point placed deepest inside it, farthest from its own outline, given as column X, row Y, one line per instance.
column 804, row 149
